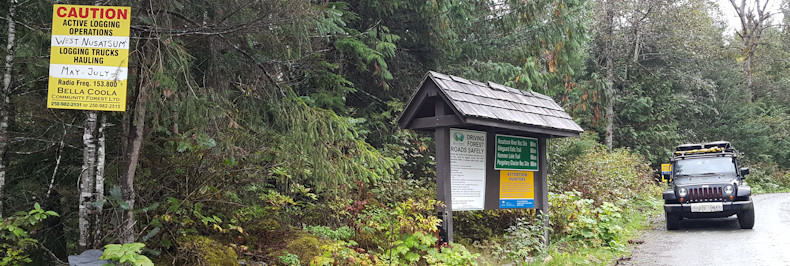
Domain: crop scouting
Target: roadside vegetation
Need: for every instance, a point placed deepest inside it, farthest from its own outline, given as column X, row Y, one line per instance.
column 769, row 178
column 598, row 200
column 264, row 131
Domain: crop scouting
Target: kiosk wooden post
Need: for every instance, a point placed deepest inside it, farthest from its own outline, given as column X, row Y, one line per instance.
column 496, row 138
column 543, row 187
column 443, row 193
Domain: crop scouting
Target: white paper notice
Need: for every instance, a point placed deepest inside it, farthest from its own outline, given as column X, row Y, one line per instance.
column 467, row 169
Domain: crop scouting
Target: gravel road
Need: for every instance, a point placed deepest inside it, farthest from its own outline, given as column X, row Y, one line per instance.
column 720, row 241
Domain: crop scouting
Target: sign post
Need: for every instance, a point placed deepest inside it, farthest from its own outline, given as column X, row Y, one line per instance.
column 89, row 58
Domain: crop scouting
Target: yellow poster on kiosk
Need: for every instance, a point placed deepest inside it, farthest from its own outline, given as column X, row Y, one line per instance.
column 516, row 189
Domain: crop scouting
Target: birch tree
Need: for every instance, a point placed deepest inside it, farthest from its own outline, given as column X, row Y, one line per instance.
column 87, row 179
column 6, row 98
column 92, row 179
column 99, row 190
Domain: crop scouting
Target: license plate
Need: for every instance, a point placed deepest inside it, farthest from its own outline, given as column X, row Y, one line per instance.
column 707, row 207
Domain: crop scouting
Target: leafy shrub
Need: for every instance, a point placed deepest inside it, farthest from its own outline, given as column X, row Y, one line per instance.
column 342, row 233
column 380, row 226
column 767, row 178
column 290, row 259
column 127, row 253
column 400, row 234
column 575, row 218
column 15, row 234
column 343, row 253
column 455, row 255
column 525, row 239
column 565, row 208
column 604, row 176
column 410, row 249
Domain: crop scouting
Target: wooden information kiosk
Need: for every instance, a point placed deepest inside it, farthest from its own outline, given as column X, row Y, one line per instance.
column 490, row 143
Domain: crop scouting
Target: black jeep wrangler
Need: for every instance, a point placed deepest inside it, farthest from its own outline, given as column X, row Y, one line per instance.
column 706, row 182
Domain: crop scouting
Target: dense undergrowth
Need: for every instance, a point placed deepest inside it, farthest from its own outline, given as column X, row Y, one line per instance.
column 232, row 210
column 392, row 221
column 598, row 198
column 593, row 217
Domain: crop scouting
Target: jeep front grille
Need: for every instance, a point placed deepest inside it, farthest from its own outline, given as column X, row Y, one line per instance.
column 706, row 194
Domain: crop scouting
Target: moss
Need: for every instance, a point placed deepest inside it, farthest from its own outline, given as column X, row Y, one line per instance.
column 305, row 246
column 267, row 225
column 302, row 244
column 201, row 250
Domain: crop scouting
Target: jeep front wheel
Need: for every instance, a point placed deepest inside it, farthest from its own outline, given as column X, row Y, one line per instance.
column 673, row 221
column 746, row 219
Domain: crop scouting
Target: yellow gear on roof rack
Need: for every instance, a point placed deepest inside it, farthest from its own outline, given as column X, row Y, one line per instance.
column 712, row 149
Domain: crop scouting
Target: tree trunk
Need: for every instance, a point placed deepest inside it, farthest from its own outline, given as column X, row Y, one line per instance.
column 132, row 157
column 99, row 191
column 59, row 153
column 6, row 98
column 91, row 180
column 134, row 130
column 610, row 95
column 747, row 72
column 751, row 30
column 87, row 178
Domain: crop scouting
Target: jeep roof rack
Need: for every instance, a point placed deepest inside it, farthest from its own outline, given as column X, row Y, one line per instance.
column 704, row 149
column 725, row 145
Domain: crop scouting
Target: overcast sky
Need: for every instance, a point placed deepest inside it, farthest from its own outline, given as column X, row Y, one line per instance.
column 734, row 23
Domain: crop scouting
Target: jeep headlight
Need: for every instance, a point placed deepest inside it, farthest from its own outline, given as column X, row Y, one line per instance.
column 682, row 192
column 728, row 189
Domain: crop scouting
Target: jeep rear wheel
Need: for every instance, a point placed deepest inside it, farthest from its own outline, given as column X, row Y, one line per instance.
column 746, row 219
column 673, row 221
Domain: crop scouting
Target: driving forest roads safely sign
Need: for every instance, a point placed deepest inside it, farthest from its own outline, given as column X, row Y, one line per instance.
column 516, row 153
column 89, row 58
column 467, row 169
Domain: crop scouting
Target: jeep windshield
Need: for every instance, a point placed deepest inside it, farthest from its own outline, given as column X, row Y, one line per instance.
column 705, row 166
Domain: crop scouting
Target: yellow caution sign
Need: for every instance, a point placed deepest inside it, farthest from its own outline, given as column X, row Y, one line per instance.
column 89, row 58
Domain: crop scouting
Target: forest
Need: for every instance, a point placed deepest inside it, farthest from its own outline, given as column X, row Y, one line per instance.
column 263, row 132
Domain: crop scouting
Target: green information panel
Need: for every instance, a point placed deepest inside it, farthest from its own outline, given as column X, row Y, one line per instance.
column 516, row 153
